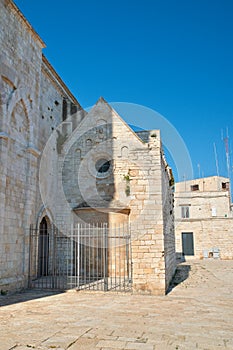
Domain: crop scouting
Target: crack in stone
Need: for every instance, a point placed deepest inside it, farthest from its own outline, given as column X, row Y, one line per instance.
column 73, row 342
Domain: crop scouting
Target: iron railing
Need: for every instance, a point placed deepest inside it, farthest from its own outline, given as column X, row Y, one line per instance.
column 85, row 256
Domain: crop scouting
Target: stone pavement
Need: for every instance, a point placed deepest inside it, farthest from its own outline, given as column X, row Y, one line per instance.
column 196, row 314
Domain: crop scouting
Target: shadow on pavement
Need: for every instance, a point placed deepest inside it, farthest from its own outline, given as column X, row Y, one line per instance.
column 24, row 296
column 182, row 273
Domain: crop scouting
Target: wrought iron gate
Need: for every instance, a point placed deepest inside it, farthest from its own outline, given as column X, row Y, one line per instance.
column 93, row 257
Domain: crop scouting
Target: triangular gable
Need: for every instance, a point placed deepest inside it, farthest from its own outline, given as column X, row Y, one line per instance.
column 99, row 114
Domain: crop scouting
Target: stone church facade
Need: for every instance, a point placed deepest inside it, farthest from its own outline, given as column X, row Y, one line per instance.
column 61, row 165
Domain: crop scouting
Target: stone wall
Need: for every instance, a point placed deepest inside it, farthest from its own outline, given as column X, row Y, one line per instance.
column 137, row 180
column 20, row 65
column 31, row 100
column 49, row 151
column 209, row 216
column 208, row 234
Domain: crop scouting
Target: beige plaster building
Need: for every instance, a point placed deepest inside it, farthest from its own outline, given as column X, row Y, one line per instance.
column 203, row 218
column 63, row 167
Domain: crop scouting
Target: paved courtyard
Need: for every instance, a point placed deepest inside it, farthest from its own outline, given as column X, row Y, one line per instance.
column 196, row 314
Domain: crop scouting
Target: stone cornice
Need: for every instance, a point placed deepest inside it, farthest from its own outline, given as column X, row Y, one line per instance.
column 25, row 22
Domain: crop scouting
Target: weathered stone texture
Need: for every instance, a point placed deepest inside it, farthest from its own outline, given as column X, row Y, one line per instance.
column 22, row 137
column 49, row 150
column 135, row 190
column 210, row 216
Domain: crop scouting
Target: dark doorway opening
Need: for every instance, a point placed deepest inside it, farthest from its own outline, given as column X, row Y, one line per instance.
column 43, row 249
column 187, row 243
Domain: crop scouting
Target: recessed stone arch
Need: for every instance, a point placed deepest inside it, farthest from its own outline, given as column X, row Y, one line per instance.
column 11, row 94
column 44, row 212
column 8, row 83
column 124, row 152
column 19, row 126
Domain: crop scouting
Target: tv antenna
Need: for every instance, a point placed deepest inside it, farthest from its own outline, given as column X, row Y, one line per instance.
column 216, row 159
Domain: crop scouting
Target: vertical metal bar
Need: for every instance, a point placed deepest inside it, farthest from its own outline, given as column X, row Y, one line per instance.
column 78, row 257
column 115, row 254
column 97, row 256
column 44, row 279
column 93, row 255
column 81, row 255
column 89, row 256
column 101, row 254
column 110, row 254
column 66, row 255
column 52, row 238
column 119, row 254
column 127, row 255
column 131, row 262
column 85, row 257
column 74, row 259
column 29, row 257
column 124, row 252
column 71, row 258
column 106, row 258
column 56, row 256
column 46, row 260
column 34, row 254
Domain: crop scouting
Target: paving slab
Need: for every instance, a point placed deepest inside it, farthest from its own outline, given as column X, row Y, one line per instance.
column 197, row 313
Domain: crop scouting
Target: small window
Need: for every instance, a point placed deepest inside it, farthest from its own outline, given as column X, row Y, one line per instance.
column 185, row 212
column 64, row 109
column 195, row 188
column 225, row 186
column 73, row 108
column 102, row 165
column 214, row 211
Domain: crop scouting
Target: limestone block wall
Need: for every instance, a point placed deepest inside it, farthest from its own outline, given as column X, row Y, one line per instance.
column 138, row 179
column 207, row 184
column 31, row 106
column 204, row 204
column 49, row 150
column 208, row 234
column 56, row 109
column 209, row 215
column 20, row 65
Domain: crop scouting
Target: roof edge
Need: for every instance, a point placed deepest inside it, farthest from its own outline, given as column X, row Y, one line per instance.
column 25, row 21
column 59, row 80
column 101, row 99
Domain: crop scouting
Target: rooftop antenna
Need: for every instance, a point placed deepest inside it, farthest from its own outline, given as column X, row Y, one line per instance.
column 222, row 138
column 199, row 170
column 226, row 141
column 216, row 159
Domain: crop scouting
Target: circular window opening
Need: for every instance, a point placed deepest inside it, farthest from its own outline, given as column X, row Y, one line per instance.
column 102, row 165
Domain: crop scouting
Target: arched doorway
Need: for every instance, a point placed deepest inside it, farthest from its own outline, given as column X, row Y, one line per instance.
column 43, row 249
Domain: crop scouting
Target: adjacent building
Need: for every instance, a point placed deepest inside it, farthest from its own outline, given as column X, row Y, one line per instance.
column 203, row 218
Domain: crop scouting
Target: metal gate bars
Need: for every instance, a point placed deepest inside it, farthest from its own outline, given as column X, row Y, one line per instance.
column 85, row 256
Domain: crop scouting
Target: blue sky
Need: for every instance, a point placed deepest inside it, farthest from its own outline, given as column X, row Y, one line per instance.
column 173, row 56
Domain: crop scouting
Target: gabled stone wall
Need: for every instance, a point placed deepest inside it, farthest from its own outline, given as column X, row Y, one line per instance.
column 49, row 149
